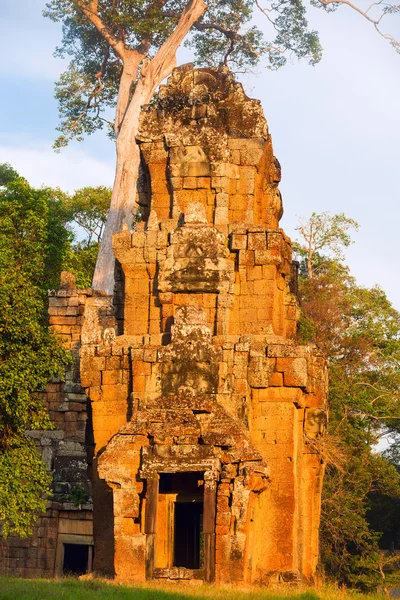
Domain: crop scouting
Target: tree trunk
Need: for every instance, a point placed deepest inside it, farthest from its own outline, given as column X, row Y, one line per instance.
column 128, row 158
column 123, row 199
column 310, row 269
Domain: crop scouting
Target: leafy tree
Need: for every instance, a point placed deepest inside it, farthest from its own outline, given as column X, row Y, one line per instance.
column 7, row 174
column 323, row 232
column 359, row 331
column 59, row 237
column 30, row 354
column 80, row 260
column 87, row 209
column 121, row 51
column 384, row 516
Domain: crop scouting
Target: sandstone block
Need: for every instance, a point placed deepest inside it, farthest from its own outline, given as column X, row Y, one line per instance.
column 189, row 183
column 276, row 379
column 176, row 183
column 155, row 153
column 246, row 186
column 221, row 215
column 246, row 258
column 141, row 368
column 222, row 200
column 220, row 184
column 235, row 157
column 258, row 372
column 57, row 302
column 187, row 154
column 254, row 273
column 203, row 183
column 257, row 241
column 294, row 371
column 238, row 242
column 195, row 169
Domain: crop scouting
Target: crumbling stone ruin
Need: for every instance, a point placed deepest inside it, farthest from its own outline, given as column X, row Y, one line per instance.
column 203, row 412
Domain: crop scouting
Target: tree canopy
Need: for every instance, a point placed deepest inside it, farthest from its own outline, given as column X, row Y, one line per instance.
column 323, row 232
column 224, row 34
column 31, row 249
column 99, row 37
column 87, row 210
column 7, row 174
column 359, row 331
column 36, row 244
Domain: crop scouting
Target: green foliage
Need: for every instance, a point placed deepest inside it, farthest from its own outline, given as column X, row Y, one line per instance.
column 31, row 246
column 359, row 331
column 81, row 261
column 88, row 208
column 306, row 329
column 96, row 589
column 33, row 220
column 384, row 515
column 35, row 245
column 59, row 238
column 78, row 496
column 24, row 482
column 7, row 174
column 225, row 34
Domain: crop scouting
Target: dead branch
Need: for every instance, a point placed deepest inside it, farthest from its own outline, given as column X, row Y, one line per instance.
column 376, row 22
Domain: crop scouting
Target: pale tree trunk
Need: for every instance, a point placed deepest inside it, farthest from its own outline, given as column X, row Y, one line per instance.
column 123, row 199
column 310, row 266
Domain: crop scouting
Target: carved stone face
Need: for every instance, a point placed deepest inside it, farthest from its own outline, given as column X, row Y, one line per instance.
column 315, row 422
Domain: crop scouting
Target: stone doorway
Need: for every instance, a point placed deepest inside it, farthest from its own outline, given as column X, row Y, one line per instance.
column 180, row 537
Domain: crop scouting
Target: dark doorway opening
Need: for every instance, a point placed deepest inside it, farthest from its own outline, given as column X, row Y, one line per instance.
column 76, row 559
column 188, row 535
column 180, row 538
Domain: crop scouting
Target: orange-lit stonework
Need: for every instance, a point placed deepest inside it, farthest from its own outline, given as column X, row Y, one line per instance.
column 204, row 412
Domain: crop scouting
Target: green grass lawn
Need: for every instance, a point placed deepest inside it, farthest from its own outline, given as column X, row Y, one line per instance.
column 75, row 589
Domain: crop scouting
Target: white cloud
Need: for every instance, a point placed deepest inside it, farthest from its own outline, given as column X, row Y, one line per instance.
column 71, row 169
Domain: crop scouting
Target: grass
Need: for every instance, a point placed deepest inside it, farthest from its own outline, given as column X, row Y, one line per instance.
column 88, row 589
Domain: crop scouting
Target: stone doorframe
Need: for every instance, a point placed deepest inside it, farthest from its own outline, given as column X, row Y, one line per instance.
column 153, row 464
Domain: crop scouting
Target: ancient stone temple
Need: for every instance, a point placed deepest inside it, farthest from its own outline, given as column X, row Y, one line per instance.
column 203, row 412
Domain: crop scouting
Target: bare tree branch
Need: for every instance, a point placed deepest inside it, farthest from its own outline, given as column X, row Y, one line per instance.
column 263, row 10
column 390, row 8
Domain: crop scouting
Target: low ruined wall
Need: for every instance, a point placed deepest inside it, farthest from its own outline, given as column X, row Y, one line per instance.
column 65, row 452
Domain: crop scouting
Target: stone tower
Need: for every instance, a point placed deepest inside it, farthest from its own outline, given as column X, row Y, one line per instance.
column 203, row 412
column 205, row 409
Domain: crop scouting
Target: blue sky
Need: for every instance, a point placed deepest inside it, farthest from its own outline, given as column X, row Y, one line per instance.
column 335, row 128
